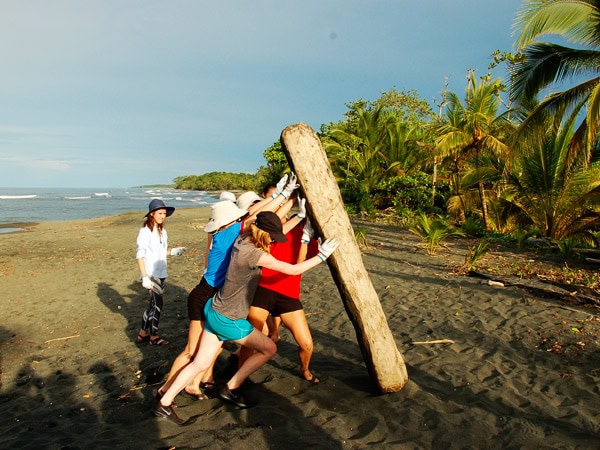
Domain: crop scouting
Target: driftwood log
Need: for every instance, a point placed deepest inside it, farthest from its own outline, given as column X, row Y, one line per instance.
column 308, row 160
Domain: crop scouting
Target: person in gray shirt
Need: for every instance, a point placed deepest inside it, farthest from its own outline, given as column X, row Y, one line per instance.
column 226, row 312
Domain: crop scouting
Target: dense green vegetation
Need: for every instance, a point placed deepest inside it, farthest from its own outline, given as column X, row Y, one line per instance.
column 216, row 181
column 503, row 157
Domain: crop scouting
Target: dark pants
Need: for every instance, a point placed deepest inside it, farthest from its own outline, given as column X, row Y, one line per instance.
column 151, row 316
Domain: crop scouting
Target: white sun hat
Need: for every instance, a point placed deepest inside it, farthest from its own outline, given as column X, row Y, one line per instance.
column 226, row 195
column 223, row 213
column 247, row 199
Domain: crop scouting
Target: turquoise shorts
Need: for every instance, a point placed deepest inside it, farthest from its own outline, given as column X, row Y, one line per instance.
column 223, row 327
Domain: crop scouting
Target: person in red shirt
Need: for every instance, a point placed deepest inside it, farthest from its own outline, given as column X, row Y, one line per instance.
column 278, row 294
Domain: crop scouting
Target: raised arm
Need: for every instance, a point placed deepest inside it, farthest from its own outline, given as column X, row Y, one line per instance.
column 308, row 233
column 294, row 221
column 285, row 187
column 325, row 250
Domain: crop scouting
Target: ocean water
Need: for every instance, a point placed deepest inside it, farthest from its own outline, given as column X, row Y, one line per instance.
column 19, row 205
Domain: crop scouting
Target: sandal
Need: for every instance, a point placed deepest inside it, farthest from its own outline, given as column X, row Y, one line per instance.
column 312, row 380
column 158, row 341
column 210, row 385
column 141, row 338
column 199, row 396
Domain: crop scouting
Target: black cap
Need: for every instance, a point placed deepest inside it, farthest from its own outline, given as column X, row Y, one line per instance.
column 271, row 223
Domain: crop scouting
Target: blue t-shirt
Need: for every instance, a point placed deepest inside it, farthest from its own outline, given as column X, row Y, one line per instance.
column 220, row 254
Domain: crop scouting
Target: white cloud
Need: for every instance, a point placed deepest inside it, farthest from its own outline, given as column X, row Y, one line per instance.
column 17, row 162
column 49, row 164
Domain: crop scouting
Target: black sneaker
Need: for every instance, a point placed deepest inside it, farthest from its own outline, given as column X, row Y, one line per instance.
column 167, row 412
column 235, row 397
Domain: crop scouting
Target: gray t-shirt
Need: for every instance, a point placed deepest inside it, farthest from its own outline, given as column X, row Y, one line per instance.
column 234, row 298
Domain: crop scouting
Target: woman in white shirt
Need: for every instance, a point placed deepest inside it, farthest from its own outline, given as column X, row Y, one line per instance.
column 151, row 255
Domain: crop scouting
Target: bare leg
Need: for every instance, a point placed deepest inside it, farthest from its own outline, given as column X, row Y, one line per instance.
column 257, row 317
column 263, row 349
column 207, row 350
column 296, row 322
column 184, row 358
column 266, row 328
column 206, row 377
column 275, row 330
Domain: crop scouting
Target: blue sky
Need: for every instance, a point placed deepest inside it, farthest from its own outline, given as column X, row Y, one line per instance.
column 119, row 93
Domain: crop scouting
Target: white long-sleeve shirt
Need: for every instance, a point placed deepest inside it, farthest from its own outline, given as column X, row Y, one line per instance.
column 152, row 246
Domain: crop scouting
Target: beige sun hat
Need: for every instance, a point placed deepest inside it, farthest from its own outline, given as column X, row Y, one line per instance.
column 223, row 213
column 226, row 195
column 247, row 199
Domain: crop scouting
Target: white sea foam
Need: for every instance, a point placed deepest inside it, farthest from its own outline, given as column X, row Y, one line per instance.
column 10, row 230
column 24, row 205
column 16, row 197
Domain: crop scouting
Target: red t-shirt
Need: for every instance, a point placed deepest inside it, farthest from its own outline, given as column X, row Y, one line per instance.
column 288, row 285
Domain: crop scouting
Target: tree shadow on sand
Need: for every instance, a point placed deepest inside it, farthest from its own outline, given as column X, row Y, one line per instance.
column 45, row 412
column 90, row 405
column 446, row 404
column 275, row 423
column 344, row 365
column 130, row 385
column 155, row 361
column 211, row 423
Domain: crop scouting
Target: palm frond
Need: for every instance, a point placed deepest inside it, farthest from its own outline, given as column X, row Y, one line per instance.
column 486, row 173
column 557, row 191
column 593, row 113
column 544, row 63
column 578, row 21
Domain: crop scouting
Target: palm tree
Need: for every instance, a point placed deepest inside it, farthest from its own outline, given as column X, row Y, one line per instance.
column 470, row 131
column 549, row 188
column 359, row 149
column 545, row 63
column 490, row 170
column 406, row 148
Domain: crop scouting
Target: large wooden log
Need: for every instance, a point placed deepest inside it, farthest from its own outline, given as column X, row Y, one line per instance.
column 308, row 160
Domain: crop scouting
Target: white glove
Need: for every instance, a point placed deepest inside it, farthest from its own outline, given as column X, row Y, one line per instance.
column 291, row 185
column 152, row 284
column 280, row 186
column 177, row 251
column 327, row 248
column 301, row 208
column 147, row 282
column 307, row 232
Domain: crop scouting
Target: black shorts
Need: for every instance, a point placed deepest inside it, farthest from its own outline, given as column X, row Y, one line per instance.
column 198, row 298
column 274, row 302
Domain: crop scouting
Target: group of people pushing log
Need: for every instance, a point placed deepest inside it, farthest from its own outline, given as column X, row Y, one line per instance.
column 255, row 257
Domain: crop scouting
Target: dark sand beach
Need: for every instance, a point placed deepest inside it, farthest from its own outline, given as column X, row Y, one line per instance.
column 523, row 371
